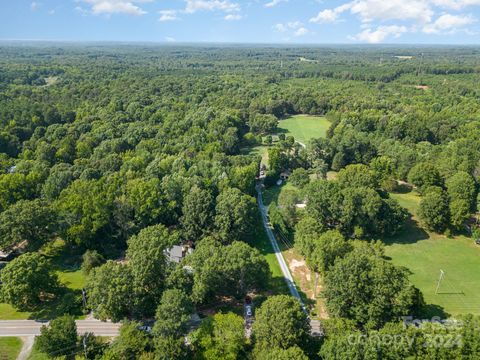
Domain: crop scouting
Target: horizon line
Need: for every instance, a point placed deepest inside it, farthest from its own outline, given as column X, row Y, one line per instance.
column 174, row 43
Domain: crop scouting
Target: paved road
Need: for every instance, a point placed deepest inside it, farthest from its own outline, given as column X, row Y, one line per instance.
column 32, row 327
column 281, row 261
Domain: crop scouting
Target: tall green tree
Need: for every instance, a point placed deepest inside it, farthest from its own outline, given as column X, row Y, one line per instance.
column 307, row 231
column 110, row 291
column 280, row 323
column 424, row 175
column 59, row 338
column 198, row 213
column 148, row 265
column 130, row 343
column 173, row 314
column 32, row 221
column 220, row 337
column 235, row 215
column 369, row 290
column 292, row 353
column 329, row 247
column 357, row 175
column 27, row 281
column 85, row 207
column 434, row 211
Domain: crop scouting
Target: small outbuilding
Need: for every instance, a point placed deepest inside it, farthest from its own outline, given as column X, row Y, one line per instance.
column 284, row 175
column 177, row 252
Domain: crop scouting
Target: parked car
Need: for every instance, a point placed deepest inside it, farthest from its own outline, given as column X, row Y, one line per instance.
column 248, row 310
column 145, row 328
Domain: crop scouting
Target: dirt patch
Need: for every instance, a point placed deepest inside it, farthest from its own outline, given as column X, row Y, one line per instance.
column 422, row 87
column 306, row 280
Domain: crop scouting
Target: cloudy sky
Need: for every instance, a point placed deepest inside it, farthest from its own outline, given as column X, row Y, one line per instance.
column 244, row 21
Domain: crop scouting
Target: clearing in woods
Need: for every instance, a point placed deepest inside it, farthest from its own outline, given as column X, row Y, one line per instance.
column 304, row 127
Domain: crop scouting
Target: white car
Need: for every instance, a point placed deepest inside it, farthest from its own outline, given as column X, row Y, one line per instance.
column 248, row 310
column 145, row 328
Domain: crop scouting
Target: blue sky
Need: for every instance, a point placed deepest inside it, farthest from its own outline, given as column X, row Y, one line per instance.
column 250, row 21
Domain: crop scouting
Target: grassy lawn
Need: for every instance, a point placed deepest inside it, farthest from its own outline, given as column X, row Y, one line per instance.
column 304, row 127
column 260, row 150
column 425, row 254
column 74, row 280
column 7, row 312
column 262, row 243
column 36, row 355
column 272, row 193
column 9, row 347
column 67, row 268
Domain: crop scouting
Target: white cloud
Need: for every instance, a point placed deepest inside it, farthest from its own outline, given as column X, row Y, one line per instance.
column 34, row 5
column 168, row 15
column 51, row 12
column 380, row 34
column 376, row 17
column 369, row 10
column 301, row 32
column 274, row 3
column 330, row 15
column 232, row 17
column 211, row 5
column 280, row 28
column 448, row 23
column 116, row 6
column 325, row 16
column 455, row 4
column 169, row 39
column 295, row 27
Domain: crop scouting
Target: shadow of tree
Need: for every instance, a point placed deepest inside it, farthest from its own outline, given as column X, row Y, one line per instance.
column 429, row 311
column 67, row 301
column 403, row 188
column 410, row 234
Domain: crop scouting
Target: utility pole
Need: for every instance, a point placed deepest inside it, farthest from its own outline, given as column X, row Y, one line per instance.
column 442, row 274
column 85, row 345
column 84, row 298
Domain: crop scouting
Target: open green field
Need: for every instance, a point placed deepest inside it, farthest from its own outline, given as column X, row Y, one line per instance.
column 304, row 127
column 425, row 254
column 9, row 347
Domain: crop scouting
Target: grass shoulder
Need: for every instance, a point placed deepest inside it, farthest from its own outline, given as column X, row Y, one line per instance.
column 10, row 347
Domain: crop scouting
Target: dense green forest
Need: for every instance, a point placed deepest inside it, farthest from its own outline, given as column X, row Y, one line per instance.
column 110, row 155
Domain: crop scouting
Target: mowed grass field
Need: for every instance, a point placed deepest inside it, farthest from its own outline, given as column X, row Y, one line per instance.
column 304, row 127
column 425, row 254
column 9, row 347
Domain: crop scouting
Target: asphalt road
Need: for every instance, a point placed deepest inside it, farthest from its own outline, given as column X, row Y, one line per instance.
column 32, row 327
column 278, row 254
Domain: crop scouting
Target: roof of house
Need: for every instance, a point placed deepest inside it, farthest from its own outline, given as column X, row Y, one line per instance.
column 175, row 253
